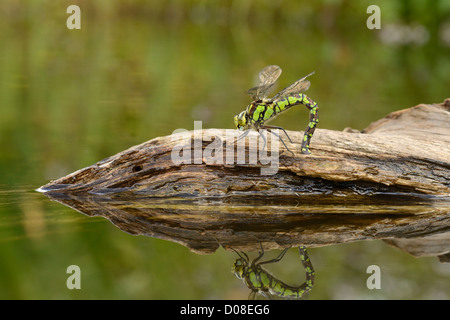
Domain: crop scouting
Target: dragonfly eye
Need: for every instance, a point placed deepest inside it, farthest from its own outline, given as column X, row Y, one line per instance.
column 236, row 121
column 240, row 120
column 238, row 268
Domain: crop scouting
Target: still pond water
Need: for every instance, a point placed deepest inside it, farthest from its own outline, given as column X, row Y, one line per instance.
column 70, row 98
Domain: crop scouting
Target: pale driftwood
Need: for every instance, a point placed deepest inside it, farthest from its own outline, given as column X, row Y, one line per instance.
column 408, row 151
column 390, row 181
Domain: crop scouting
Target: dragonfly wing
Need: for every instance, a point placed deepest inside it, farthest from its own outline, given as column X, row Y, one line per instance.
column 260, row 92
column 297, row 87
column 253, row 295
column 267, row 78
column 269, row 75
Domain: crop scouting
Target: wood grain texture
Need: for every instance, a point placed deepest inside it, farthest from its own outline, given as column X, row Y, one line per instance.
column 407, row 151
column 391, row 181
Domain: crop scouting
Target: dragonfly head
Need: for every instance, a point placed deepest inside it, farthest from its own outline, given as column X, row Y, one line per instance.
column 240, row 120
column 239, row 268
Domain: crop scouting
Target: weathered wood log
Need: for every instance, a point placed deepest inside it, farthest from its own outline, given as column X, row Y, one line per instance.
column 390, row 181
column 407, row 151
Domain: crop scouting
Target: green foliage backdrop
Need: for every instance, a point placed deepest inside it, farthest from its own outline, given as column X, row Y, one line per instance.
column 141, row 69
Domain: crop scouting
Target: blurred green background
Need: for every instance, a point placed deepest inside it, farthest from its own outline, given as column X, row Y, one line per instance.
column 141, row 69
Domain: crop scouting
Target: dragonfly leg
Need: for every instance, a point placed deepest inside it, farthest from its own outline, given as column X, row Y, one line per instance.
column 279, row 128
column 264, row 138
column 280, row 256
column 244, row 256
column 261, row 253
column 242, row 136
column 281, row 140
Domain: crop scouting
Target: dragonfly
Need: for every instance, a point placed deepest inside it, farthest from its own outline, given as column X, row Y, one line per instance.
column 260, row 281
column 262, row 109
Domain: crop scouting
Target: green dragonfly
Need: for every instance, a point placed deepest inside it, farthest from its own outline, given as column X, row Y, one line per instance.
column 260, row 281
column 263, row 109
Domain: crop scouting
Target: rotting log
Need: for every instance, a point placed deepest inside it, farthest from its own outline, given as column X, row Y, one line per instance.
column 391, row 181
column 407, row 151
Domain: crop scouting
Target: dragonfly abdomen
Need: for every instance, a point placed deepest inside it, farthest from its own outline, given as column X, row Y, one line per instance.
column 261, row 280
column 259, row 113
column 286, row 291
column 285, row 103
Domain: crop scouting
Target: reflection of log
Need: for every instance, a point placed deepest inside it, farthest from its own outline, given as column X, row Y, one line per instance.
column 390, row 182
column 434, row 245
column 202, row 226
column 405, row 152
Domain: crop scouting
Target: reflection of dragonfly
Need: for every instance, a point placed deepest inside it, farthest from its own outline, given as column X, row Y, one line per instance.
column 260, row 281
column 261, row 110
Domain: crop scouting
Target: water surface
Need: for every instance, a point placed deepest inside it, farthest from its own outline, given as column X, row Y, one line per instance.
column 136, row 71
